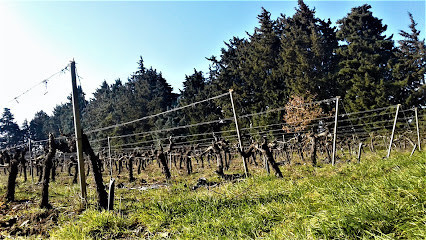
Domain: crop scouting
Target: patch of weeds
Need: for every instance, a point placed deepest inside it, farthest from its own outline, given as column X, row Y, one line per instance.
column 93, row 224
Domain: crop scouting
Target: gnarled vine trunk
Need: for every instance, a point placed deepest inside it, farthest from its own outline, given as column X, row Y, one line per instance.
column 97, row 174
column 48, row 163
column 264, row 148
column 13, row 172
column 163, row 160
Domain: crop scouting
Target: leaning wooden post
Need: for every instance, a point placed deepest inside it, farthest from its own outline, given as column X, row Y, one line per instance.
column 78, row 133
column 418, row 131
column 393, row 130
column 238, row 132
column 359, row 152
column 414, row 149
column 333, row 157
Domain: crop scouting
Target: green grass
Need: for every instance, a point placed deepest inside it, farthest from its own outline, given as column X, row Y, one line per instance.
column 376, row 199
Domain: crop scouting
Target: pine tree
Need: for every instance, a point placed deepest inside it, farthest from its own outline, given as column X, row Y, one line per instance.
column 10, row 134
column 307, row 62
column 249, row 68
column 40, row 126
column 263, row 89
column 193, row 87
column 152, row 88
column 25, row 130
column 149, row 94
column 194, row 90
column 62, row 119
column 364, row 74
column 409, row 70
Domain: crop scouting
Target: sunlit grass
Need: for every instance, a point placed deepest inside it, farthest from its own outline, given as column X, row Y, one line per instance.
column 378, row 198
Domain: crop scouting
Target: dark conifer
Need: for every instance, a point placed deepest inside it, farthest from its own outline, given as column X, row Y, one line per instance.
column 364, row 74
column 10, row 134
column 409, row 69
column 307, row 62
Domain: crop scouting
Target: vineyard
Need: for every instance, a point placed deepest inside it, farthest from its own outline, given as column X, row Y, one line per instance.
column 233, row 177
column 303, row 128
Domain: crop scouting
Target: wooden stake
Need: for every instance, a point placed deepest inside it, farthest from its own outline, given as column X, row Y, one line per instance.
column 393, row 130
column 119, row 209
column 418, row 131
column 111, row 194
column 265, row 162
column 359, row 152
column 238, row 132
column 110, row 159
column 78, row 133
column 414, row 149
column 31, row 160
column 333, row 157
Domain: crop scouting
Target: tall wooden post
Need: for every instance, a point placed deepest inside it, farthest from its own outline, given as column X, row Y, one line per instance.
column 238, row 132
column 359, row 152
column 418, row 130
column 265, row 162
column 111, row 194
column 393, row 130
column 110, row 159
column 333, row 157
column 78, row 133
column 31, row 160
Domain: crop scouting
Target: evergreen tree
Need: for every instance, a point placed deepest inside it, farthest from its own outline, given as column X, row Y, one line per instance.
column 62, row 120
column 25, row 130
column 409, row 70
column 10, row 134
column 307, row 62
column 40, row 126
column 99, row 108
column 226, row 73
column 146, row 92
column 193, row 87
column 154, row 88
column 263, row 89
column 194, row 90
column 364, row 75
column 249, row 68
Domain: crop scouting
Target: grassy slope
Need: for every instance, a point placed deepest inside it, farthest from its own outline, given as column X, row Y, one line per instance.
column 379, row 198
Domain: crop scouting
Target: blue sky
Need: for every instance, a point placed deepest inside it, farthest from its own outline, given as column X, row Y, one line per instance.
column 106, row 40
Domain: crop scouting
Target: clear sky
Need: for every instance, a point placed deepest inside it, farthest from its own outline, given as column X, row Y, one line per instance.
column 106, row 39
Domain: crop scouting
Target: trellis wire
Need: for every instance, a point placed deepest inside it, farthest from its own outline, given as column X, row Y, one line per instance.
column 156, row 115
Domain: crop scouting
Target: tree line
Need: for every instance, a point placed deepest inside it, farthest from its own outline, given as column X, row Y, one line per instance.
column 299, row 55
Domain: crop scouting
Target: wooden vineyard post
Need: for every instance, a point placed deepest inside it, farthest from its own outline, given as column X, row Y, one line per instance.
column 414, row 149
column 418, row 130
column 110, row 160
column 333, row 157
column 111, row 194
column 359, row 152
column 238, row 132
column 393, row 130
column 265, row 162
column 78, row 133
column 31, row 160
column 169, row 162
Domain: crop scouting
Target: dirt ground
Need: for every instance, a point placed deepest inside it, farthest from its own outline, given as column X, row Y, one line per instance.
column 20, row 219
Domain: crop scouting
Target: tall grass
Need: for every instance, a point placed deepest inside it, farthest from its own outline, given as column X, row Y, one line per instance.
column 376, row 199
